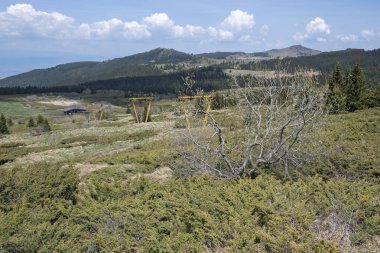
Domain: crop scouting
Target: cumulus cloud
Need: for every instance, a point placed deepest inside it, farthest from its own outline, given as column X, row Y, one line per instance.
column 264, row 30
column 363, row 35
column 238, row 20
column 158, row 20
column 299, row 36
column 22, row 20
column 220, row 34
column 367, row 34
column 112, row 28
column 347, row 38
column 319, row 26
column 187, row 31
column 317, row 29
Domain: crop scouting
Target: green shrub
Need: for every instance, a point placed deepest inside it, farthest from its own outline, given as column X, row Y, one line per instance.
column 41, row 211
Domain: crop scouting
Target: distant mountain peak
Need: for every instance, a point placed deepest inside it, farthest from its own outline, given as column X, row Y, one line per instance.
column 158, row 55
column 292, row 51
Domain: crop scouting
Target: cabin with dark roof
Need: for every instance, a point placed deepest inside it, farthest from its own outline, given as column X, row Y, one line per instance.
column 74, row 109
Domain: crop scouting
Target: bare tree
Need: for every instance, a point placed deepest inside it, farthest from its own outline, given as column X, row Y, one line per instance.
column 274, row 115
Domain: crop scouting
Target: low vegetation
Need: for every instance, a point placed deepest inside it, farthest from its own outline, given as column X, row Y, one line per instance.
column 117, row 186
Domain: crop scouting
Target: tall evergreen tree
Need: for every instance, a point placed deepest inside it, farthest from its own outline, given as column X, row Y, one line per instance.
column 40, row 119
column 31, row 122
column 335, row 97
column 46, row 126
column 217, row 101
column 9, row 122
column 356, row 90
column 3, row 125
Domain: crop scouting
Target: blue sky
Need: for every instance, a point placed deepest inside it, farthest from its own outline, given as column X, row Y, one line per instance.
column 42, row 33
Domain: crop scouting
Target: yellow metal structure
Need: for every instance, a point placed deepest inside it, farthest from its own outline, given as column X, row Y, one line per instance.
column 94, row 112
column 208, row 107
column 147, row 99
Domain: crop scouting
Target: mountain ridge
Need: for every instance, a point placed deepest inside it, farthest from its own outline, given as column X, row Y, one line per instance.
column 141, row 64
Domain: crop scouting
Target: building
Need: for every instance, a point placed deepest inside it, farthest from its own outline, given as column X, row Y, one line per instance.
column 74, row 109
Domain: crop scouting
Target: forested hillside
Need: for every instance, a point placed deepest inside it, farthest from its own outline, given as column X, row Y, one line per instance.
column 162, row 70
column 208, row 79
column 326, row 61
column 76, row 73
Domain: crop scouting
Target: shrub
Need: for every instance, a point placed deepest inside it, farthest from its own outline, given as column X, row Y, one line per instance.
column 3, row 125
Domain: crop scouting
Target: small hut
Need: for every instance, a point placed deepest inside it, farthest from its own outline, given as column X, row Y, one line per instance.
column 74, row 109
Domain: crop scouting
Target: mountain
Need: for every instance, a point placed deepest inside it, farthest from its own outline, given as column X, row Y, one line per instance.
column 325, row 62
column 219, row 55
column 292, row 51
column 142, row 64
column 155, row 63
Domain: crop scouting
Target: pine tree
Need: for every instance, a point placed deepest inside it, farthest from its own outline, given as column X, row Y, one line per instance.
column 46, row 126
column 40, row 120
column 3, row 125
column 31, row 122
column 217, row 101
column 9, row 122
column 356, row 90
column 335, row 97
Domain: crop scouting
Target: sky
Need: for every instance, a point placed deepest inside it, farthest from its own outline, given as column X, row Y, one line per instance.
column 44, row 33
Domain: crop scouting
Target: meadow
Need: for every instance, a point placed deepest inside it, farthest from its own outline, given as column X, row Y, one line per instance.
column 114, row 185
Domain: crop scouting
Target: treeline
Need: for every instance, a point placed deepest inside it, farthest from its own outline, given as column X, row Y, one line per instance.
column 347, row 91
column 325, row 63
column 208, row 79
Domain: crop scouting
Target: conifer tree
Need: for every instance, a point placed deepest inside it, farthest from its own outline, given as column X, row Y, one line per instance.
column 335, row 97
column 46, row 126
column 40, row 120
column 9, row 122
column 31, row 122
column 217, row 101
column 356, row 90
column 3, row 125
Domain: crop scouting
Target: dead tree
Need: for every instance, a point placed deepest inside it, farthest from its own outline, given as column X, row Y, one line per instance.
column 276, row 113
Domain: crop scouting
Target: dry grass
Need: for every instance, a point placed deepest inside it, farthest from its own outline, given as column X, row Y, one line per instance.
column 161, row 174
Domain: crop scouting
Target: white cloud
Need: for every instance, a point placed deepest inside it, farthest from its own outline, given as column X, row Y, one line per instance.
column 348, row 38
column 264, row 30
column 158, row 20
column 299, row 36
column 238, row 20
column 367, row 34
column 317, row 30
column 135, row 30
column 187, row 31
column 318, row 25
column 23, row 21
column 220, row 34
column 321, row 39
column 113, row 28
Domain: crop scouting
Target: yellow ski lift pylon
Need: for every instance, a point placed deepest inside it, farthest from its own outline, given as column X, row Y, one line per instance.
column 147, row 99
column 94, row 113
column 182, row 99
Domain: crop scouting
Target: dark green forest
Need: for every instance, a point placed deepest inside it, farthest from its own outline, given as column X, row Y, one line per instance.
column 145, row 78
column 208, row 79
column 325, row 62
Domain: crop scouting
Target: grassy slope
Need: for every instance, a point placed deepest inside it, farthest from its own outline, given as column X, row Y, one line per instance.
column 348, row 145
column 46, row 205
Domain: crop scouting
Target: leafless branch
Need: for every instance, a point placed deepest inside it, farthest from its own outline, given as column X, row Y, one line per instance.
column 277, row 113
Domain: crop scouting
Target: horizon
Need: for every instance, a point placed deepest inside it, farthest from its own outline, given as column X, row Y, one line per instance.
column 39, row 34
